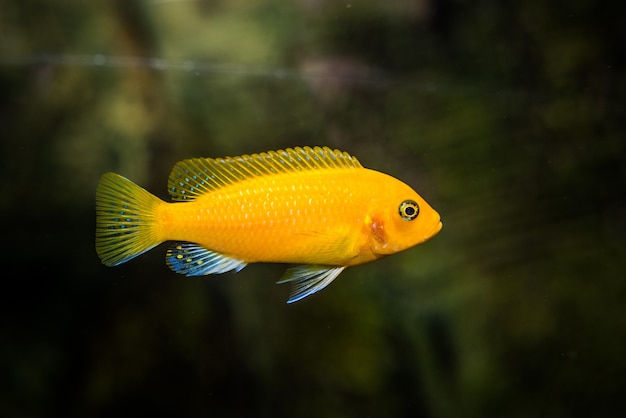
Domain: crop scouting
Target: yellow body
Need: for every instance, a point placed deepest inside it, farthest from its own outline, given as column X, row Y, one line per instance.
column 307, row 206
column 331, row 216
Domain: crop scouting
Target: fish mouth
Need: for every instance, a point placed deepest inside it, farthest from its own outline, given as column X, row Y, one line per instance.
column 434, row 231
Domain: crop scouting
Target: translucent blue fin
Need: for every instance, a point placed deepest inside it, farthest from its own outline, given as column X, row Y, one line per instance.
column 193, row 260
column 308, row 279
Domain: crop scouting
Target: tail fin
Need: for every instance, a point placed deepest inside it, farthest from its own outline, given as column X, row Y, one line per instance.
column 125, row 220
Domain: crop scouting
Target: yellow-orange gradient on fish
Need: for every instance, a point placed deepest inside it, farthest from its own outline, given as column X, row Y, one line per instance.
column 316, row 208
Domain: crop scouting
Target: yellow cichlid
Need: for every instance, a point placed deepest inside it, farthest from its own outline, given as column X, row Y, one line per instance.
column 315, row 208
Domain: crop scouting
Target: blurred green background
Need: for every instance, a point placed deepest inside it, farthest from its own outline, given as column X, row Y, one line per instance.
column 508, row 118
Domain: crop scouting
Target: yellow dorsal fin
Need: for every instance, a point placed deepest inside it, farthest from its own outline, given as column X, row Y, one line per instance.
column 194, row 177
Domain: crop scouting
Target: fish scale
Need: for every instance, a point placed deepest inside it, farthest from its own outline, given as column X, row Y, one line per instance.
column 315, row 208
column 257, row 226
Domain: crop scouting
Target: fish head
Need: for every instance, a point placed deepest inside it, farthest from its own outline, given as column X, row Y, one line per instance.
column 400, row 220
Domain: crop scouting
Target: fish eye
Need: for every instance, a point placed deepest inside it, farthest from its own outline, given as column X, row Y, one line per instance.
column 408, row 210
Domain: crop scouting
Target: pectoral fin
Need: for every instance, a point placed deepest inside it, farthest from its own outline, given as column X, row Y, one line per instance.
column 193, row 260
column 308, row 279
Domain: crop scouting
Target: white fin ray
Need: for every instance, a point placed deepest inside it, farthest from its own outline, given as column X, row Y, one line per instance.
column 308, row 279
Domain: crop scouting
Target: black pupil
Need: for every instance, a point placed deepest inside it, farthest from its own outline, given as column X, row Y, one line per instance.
column 409, row 211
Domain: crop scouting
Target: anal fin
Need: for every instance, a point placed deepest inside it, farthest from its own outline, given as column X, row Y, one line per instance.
column 193, row 260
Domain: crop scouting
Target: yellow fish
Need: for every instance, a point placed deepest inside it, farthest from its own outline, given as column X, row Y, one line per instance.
column 315, row 208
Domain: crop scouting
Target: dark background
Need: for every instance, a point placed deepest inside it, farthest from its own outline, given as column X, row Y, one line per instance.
column 508, row 118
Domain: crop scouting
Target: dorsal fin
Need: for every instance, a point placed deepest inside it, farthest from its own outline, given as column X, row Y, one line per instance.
column 194, row 177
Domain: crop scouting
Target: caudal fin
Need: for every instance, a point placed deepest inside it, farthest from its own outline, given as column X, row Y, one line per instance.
column 125, row 220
